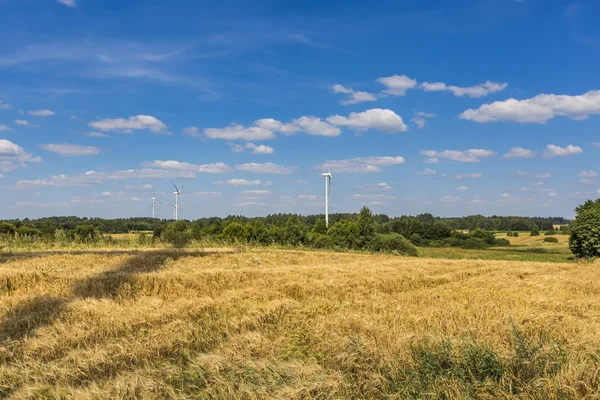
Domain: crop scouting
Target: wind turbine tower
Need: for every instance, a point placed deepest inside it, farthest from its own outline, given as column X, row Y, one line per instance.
column 177, row 193
column 154, row 200
column 328, row 177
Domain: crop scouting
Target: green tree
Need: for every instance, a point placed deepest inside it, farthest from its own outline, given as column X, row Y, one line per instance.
column 366, row 226
column 320, row 226
column 177, row 233
column 6, row 228
column 235, row 232
column 345, row 234
column 585, row 230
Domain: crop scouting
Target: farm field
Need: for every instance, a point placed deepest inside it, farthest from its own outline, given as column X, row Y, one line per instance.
column 260, row 324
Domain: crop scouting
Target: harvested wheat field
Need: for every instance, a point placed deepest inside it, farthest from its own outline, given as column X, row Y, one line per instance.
column 296, row 325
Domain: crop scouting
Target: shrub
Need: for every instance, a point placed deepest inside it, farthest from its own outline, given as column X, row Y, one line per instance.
column 177, row 234
column 585, row 230
column 319, row 241
column 393, row 242
column 534, row 232
column 551, row 240
column 487, row 237
column 549, row 233
column 474, row 243
column 515, row 234
column 345, row 234
column 6, row 228
column 502, row 242
column 509, row 234
column 460, row 235
column 235, row 232
column 416, row 239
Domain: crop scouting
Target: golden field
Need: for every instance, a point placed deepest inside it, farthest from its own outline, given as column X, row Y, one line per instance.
column 255, row 324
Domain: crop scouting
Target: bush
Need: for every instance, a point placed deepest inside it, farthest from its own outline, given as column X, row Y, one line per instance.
column 487, row 237
column 515, row 234
column 549, row 233
column 474, row 243
column 551, row 240
column 502, row 242
column 509, row 234
column 534, row 232
column 393, row 242
column 319, row 241
column 416, row 239
column 235, row 232
column 177, row 234
column 6, row 228
column 345, row 234
column 585, row 230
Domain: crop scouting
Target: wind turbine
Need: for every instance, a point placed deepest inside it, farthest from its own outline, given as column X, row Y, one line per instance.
column 177, row 192
column 174, row 212
column 154, row 200
column 328, row 178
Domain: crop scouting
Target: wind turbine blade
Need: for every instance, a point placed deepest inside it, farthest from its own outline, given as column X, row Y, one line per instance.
column 160, row 201
column 177, row 190
column 181, row 189
column 153, row 191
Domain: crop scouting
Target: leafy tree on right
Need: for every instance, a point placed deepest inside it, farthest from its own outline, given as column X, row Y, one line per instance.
column 585, row 230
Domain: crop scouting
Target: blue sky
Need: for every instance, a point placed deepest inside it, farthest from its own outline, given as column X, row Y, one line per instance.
column 486, row 106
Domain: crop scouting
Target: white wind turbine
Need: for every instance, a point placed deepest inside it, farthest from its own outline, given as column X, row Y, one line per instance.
column 328, row 178
column 154, row 200
column 177, row 193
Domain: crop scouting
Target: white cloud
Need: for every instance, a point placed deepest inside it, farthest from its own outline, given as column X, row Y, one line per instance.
column 475, row 91
column 265, row 168
column 73, row 116
column 4, row 128
column 68, row 3
column 588, row 174
column 256, row 149
column 262, row 149
column 475, row 175
column 519, row 152
column 41, row 113
column 505, row 195
column 553, row 151
column 191, row 131
column 360, row 164
column 372, row 196
column 586, row 181
column 138, row 122
column 5, row 106
column 425, row 114
column 257, row 192
column 90, row 178
column 538, row 109
column 96, row 135
column 376, row 187
column 206, row 194
column 215, row 168
column 543, row 175
column 71, row 150
column 239, row 132
column 239, row 182
column 552, row 194
column 13, row 156
column 427, row 171
column 419, row 122
column 471, row 155
column 355, row 96
column 381, row 119
column 310, row 196
column 313, row 126
column 23, row 122
column 431, row 160
column 462, row 188
column 397, row 85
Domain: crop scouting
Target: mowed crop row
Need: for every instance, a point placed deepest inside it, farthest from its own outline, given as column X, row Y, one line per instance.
column 292, row 324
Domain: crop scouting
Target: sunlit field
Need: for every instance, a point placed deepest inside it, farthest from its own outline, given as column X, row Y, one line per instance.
column 255, row 324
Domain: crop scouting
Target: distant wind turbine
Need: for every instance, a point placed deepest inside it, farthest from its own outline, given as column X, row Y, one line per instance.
column 328, row 178
column 177, row 193
column 154, row 200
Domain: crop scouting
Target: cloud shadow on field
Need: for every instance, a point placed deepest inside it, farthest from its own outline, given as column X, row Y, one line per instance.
column 26, row 317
